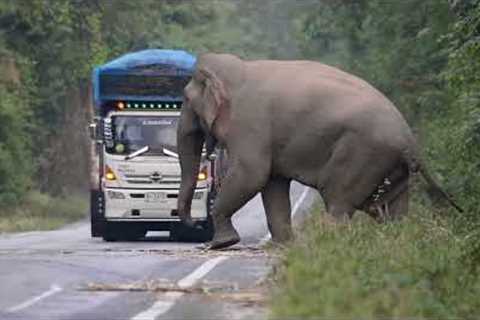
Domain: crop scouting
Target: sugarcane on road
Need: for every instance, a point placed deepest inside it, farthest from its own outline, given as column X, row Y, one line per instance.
column 65, row 274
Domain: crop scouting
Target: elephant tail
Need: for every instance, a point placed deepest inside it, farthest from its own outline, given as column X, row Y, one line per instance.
column 417, row 166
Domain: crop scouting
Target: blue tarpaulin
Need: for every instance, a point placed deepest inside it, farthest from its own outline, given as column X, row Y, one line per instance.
column 155, row 61
column 134, row 60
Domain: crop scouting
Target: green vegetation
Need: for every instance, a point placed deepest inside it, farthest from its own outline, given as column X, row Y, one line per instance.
column 412, row 269
column 15, row 170
column 42, row 212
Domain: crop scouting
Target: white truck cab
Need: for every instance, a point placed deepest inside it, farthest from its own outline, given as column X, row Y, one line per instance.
column 145, row 186
column 139, row 176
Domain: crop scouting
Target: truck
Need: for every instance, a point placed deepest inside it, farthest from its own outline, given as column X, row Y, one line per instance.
column 136, row 174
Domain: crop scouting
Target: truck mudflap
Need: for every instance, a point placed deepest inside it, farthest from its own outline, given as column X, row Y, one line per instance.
column 97, row 213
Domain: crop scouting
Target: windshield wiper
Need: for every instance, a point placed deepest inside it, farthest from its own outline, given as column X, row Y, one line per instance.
column 137, row 153
column 170, row 153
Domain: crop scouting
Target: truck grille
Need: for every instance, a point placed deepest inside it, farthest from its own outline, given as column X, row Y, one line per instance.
column 147, row 179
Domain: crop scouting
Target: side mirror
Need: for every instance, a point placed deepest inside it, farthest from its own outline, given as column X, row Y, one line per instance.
column 92, row 130
column 212, row 156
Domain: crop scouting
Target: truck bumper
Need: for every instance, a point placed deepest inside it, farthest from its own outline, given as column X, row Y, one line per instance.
column 150, row 205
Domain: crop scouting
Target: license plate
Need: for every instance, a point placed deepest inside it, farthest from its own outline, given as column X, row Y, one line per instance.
column 154, row 196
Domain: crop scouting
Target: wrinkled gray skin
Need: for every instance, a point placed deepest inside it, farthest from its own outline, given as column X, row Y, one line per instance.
column 294, row 120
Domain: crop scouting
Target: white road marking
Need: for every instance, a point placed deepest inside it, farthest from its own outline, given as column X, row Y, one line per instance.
column 297, row 204
column 159, row 307
column 162, row 306
column 200, row 272
column 295, row 208
column 53, row 290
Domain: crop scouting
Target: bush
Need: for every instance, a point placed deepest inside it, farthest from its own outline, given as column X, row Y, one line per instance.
column 39, row 211
column 16, row 166
column 365, row 270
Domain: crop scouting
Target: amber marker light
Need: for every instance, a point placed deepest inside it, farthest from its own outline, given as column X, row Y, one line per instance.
column 109, row 174
column 120, row 105
column 202, row 175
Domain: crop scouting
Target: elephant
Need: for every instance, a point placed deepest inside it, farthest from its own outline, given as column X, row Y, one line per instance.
column 294, row 120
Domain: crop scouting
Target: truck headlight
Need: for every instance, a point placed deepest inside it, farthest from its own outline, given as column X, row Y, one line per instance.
column 109, row 174
column 115, row 195
column 203, row 174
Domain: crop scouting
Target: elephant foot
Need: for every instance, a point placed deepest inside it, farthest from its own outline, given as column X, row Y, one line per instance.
column 282, row 240
column 273, row 245
column 217, row 244
column 223, row 238
column 282, row 234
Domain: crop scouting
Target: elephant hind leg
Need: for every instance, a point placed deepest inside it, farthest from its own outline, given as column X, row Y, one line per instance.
column 393, row 204
column 341, row 212
column 352, row 174
column 276, row 201
column 399, row 205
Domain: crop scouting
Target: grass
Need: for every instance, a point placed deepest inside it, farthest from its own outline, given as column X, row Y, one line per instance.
column 410, row 269
column 43, row 212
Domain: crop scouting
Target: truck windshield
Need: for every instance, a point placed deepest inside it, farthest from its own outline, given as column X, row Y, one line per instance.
column 131, row 133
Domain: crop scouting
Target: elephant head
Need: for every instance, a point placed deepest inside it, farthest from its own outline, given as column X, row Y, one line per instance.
column 205, row 118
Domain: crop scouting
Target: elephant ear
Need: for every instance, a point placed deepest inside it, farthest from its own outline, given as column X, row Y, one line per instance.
column 215, row 95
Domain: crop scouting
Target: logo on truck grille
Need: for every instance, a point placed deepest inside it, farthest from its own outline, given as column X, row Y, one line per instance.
column 156, row 177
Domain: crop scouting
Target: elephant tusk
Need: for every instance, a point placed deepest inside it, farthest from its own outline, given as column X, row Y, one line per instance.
column 381, row 213
column 387, row 212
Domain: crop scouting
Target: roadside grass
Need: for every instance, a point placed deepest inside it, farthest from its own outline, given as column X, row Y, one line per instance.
column 43, row 212
column 410, row 269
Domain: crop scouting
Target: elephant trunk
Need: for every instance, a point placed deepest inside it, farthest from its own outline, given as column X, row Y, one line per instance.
column 190, row 145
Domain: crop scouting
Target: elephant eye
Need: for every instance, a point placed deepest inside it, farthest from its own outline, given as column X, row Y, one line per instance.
column 198, row 78
column 203, row 83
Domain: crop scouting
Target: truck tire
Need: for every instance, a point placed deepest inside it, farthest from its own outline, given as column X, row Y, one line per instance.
column 125, row 232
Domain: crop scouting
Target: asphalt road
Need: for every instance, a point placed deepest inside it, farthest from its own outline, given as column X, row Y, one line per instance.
column 66, row 274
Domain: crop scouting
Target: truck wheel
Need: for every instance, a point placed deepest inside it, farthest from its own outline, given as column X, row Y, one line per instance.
column 123, row 233
column 182, row 233
column 97, row 219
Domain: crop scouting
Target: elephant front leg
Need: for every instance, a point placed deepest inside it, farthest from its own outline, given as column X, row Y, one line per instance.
column 276, row 201
column 241, row 183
